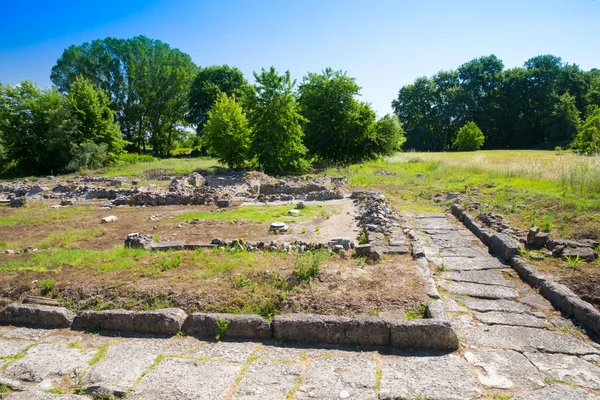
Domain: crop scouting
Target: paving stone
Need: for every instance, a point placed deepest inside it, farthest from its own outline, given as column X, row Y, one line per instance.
column 482, row 291
column 506, row 318
column 567, row 368
column 486, row 277
column 461, row 321
column 27, row 333
column 298, row 352
column 436, row 377
column 452, row 306
column 46, row 360
column 537, row 301
column 268, row 380
column 179, row 379
column 504, row 370
column 557, row 392
column 336, row 377
column 4, row 329
column 526, row 339
column 236, row 352
column 483, row 305
column 123, row 365
column 440, row 224
column 41, row 395
column 471, row 264
column 62, row 339
column 461, row 251
column 12, row 347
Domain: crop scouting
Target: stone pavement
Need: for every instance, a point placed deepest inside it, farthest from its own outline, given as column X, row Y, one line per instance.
column 513, row 345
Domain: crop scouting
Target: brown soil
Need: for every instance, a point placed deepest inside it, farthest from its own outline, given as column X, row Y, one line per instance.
column 345, row 286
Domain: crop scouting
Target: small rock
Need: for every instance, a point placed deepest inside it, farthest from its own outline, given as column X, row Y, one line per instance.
column 222, row 203
column 300, row 205
column 110, row 218
column 540, row 239
column 293, row 212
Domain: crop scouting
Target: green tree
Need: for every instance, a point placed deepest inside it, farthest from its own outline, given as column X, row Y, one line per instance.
column 469, row 137
column 588, row 138
column 226, row 132
column 563, row 123
column 388, row 136
column 338, row 126
column 207, row 84
column 275, row 121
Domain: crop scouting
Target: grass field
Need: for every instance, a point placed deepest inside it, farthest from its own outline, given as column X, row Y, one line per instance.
column 262, row 214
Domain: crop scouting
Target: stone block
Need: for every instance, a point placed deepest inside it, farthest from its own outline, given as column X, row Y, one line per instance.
column 36, row 315
column 504, row 246
column 331, row 329
column 423, row 334
column 436, row 310
column 239, row 326
column 167, row 321
column 527, row 272
column 222, row 203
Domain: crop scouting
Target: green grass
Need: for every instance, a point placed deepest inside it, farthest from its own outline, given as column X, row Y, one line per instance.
column 100, row 354
column 38, row 214
column 262, row 214
column 183, row 166
column 417, row 312
column 69, row 238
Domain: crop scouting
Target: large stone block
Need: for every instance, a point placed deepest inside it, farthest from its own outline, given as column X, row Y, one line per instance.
column 36, row 315
column 504, row 246
column 331, row 329
column 241, row 326
column 423, row 334
column 167, row 321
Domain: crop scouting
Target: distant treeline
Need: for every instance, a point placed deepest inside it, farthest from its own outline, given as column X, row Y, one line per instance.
column 540, row 105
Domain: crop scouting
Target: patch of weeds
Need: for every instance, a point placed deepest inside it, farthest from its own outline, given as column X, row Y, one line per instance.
column 292, row 393
column 157, row 302
column 303, row 230
column 498, row 396
column 156, row 361
column 47, row 285
column 166, row 263
column 574, row 262
column 156, row 238
column 100, row 354
column 308, row 265
column 180, row 333
column 3, row 245
column 4, row 389
column 363, row 239
column 222, row 326
column 101, row 305
column 417, row 312
column 55, row 391
column 546, row 224
column 441, row 268
column 361, row 262
column 75, row 345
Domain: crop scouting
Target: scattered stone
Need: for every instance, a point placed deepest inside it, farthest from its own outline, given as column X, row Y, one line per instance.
column 567, row 369
column 540, row 239
column 523, row 339
column 9, row 252
column 504, row 370
column 423, row 334
column 534, row 230
column 469, row 264
column 507, row 318
column 294, row 213
column 536, row 301
column 222, row 203
column 110, row 218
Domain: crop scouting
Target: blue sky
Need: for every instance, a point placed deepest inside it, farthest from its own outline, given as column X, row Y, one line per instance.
column 383, row 44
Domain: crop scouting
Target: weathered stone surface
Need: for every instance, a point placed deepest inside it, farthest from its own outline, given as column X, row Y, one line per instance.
column 557, row 392
column 36, row 315
column 461, row 251
column 536, row 301
column 167, row 321
column 482, row 291
column 486, row 277
column 330, row 378
column 504, row 246
column 12, row 347
column 41, row 395
column 436, row 310
column 437, row 377
column 237, row 352
column 174, row 379
column 567, row 369
column 268, row 380
column 239, row 326
column 527, row 339
column 423, row 334
column 559, row 295
column 25, row 333
column 469, row 264
column 527, row 272
column 483, row 305
column 49, row 360
column 507, row 318
column 123, row 365
column 331, row 329
column 504, row 370
column 586, row 314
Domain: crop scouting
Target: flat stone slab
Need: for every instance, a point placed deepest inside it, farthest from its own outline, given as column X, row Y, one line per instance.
column 440, row 224
column 567, row 369
column 482, row 291
column 27, row 333
column 483, row 305
column 504, row 370
column 557, row 392
column 437, row 377
column 462, row 251
column 123, row 365
column 268, row 380
column 524, row 339
column 350, row 376
column 485, row 277
column 506, row 318
column 40, row 395
column 537, row 301
column 46, row 360
column 175, row 378
column 470, row 264
column 236, row 352
column 12, row 347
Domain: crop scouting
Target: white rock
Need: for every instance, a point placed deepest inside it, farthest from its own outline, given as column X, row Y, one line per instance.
column 110, row 218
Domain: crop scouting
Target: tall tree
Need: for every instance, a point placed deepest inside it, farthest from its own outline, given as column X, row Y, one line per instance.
column 563, row 123
column 207, row 84
column 275, row 120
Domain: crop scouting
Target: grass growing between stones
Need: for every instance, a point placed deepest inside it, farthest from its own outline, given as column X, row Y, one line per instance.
column 417, row 312
column 263, row 213
column 100, row 354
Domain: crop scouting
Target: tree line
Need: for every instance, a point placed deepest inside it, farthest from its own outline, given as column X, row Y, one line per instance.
column 543, row 104
column 156, row 96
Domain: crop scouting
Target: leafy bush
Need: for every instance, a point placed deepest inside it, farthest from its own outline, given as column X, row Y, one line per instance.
column 132, row 158
column 89, row 156
column 469, row 138
column 46, row 286
column 308, row 265
column 588, row 137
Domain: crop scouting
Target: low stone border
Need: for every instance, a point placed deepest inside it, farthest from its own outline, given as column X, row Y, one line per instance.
column 561, row 297
column 435, row 332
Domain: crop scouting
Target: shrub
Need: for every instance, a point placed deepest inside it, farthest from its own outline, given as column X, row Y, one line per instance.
column 47, row 285
column 89, row 156
column 469, row 138
column 588, row 137
column 308, row 265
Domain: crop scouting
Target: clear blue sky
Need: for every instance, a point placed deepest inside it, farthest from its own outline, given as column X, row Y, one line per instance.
column 383, row 44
